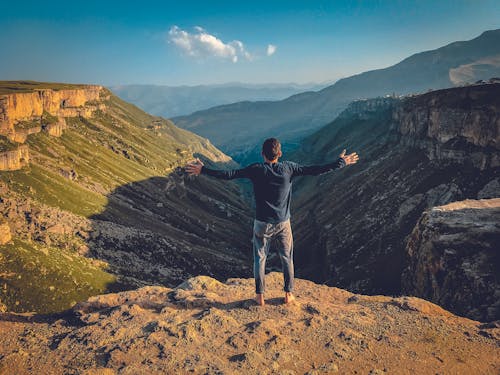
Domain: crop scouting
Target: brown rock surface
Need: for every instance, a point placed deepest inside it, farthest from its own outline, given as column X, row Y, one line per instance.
column 214, row 328
column 29, row 105
column 454, row 124
column 14, row 159
column 453, row 258
column 5, row 235
column 56, row 129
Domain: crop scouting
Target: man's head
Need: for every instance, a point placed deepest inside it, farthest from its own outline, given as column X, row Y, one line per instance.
column 271, row 149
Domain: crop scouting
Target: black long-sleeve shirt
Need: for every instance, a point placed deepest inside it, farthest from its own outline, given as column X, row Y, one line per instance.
column 272, row 184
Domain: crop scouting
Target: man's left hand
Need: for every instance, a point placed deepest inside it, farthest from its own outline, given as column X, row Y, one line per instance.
column 349, row 159
column 194, row 168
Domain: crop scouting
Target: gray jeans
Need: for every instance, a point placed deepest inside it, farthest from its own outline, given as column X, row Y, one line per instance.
column 263, row 234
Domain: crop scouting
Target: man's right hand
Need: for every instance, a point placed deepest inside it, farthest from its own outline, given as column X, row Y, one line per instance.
column 349, row 159
column 194, row 168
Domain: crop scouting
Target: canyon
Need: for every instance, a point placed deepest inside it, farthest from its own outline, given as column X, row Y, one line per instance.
column 416, row 153
column 111, row 256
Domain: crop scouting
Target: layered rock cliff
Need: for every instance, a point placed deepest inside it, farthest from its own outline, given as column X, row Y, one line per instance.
column 204, row 326
column 351, row 225
column 36, row 109
column 454, row 124
column 26, row 106
column 453, row 258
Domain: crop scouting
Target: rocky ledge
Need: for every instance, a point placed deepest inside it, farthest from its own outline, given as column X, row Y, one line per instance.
column 207, row 327
column 453, row 258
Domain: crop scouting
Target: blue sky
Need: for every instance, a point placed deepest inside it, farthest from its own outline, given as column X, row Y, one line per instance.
column 191, row 42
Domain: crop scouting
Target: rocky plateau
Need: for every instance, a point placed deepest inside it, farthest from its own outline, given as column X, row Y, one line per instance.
column 204, row 326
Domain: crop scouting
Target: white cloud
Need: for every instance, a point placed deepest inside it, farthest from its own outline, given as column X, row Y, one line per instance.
column 271, row 48
column 202, row 44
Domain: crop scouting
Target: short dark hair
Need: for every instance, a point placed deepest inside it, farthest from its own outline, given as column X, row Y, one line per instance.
column 271, row 148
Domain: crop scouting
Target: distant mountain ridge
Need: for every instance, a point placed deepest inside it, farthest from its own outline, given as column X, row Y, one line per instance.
column 171, row 101
column 237, row 128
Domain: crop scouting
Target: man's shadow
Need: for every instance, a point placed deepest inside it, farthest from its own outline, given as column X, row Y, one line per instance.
column 165, row 229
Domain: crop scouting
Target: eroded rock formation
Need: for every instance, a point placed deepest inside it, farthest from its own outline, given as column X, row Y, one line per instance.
column 5, row 235
column 26, row 113
column 455, row 124
column 14, row 159
column 27, row 106
column 453, row 258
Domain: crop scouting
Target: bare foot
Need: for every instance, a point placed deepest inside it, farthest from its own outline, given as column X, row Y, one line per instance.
column 259, row 298
column 289, row 297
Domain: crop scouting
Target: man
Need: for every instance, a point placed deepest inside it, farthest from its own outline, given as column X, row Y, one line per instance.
column 272, row 182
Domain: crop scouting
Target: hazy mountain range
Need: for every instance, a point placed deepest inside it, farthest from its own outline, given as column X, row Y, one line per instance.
column 239, row 128
column 171, row 101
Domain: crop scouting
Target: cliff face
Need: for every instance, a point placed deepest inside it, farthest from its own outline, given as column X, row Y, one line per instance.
column 454, row 124
column 453, row 258
column 14, row 159
column 5, row 235
column 204, row 326
column 26, row 113
column 27, row 106
column 424, row 151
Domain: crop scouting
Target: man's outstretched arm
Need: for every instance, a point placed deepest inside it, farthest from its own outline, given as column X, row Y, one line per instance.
column 314, row 170
column 197, row 167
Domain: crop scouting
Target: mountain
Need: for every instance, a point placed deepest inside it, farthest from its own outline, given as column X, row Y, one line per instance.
column 204, row 326
column 239, row 129
column 171, row 101
column 92, row 199
column 352, row 226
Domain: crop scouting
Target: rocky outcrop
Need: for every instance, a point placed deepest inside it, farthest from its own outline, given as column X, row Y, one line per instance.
column 65, row 103
column 16, row 108
column 208, row 327
column 453, row 258
column 55, row 129
column 14, row 159
column 5, row 235
column 364, row 108
column 26, row 113
column 19, row 135
column 454, row 125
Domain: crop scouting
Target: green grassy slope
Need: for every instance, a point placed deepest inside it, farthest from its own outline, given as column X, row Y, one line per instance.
column 47, row 279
